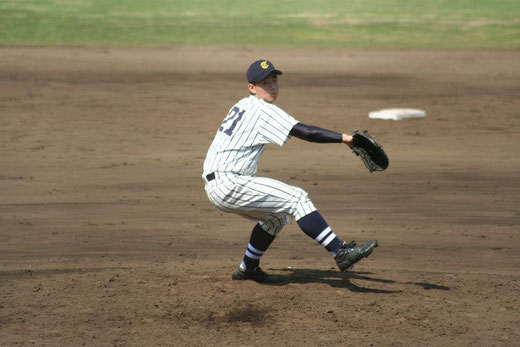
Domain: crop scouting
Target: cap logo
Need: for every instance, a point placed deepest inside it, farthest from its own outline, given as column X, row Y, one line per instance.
column 264, row 65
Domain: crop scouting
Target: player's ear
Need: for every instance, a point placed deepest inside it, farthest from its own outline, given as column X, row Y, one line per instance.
column 252, row 88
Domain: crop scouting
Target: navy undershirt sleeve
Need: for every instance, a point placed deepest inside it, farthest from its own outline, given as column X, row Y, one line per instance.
column 315, row 134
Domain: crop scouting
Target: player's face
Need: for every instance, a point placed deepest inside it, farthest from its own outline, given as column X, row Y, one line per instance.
column 267, row 89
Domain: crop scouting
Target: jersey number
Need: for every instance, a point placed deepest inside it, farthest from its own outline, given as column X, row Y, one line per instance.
column 236, row 115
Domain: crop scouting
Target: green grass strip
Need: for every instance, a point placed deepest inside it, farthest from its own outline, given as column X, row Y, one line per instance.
column 435, row 24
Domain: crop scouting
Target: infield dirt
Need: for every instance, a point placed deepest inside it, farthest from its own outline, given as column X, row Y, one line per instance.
column 107, row 237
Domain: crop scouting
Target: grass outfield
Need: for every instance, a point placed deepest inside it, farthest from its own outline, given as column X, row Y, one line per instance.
column 452, row 24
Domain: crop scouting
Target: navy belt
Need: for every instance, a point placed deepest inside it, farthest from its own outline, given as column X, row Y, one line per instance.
column 210, row 177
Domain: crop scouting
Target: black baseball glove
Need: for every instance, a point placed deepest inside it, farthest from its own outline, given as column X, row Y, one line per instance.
column 371, row 152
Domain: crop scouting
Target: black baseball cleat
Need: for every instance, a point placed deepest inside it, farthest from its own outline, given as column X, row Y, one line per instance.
column 255, row 275
column 351, row 253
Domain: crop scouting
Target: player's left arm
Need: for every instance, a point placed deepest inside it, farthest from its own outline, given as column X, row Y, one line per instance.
column 319, row 135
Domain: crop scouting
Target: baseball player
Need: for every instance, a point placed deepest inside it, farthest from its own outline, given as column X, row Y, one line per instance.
column 232, row 186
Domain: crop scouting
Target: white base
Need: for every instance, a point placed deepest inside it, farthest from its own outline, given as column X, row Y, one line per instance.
column 397, row 113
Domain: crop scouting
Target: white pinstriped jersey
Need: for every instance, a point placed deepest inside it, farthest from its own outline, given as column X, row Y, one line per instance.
column 241, row 139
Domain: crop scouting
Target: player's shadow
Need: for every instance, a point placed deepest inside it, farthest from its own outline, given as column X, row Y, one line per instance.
column 337, row 279
column 332, row 278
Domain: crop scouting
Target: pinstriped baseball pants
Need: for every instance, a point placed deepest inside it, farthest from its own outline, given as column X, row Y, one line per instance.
column 268, row 201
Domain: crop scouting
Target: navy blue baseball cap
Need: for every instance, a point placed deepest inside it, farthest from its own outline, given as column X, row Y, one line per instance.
column 259, row 70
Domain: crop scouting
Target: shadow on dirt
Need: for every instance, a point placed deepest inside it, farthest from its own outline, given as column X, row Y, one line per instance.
column 429, row 286
column 341, row 280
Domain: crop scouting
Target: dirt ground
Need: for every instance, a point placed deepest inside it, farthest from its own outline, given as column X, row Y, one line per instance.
column 107, row 237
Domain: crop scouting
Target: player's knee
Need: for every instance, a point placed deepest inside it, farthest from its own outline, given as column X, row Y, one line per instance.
column 274, row 224
column 303, row 204
column 300, row 194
